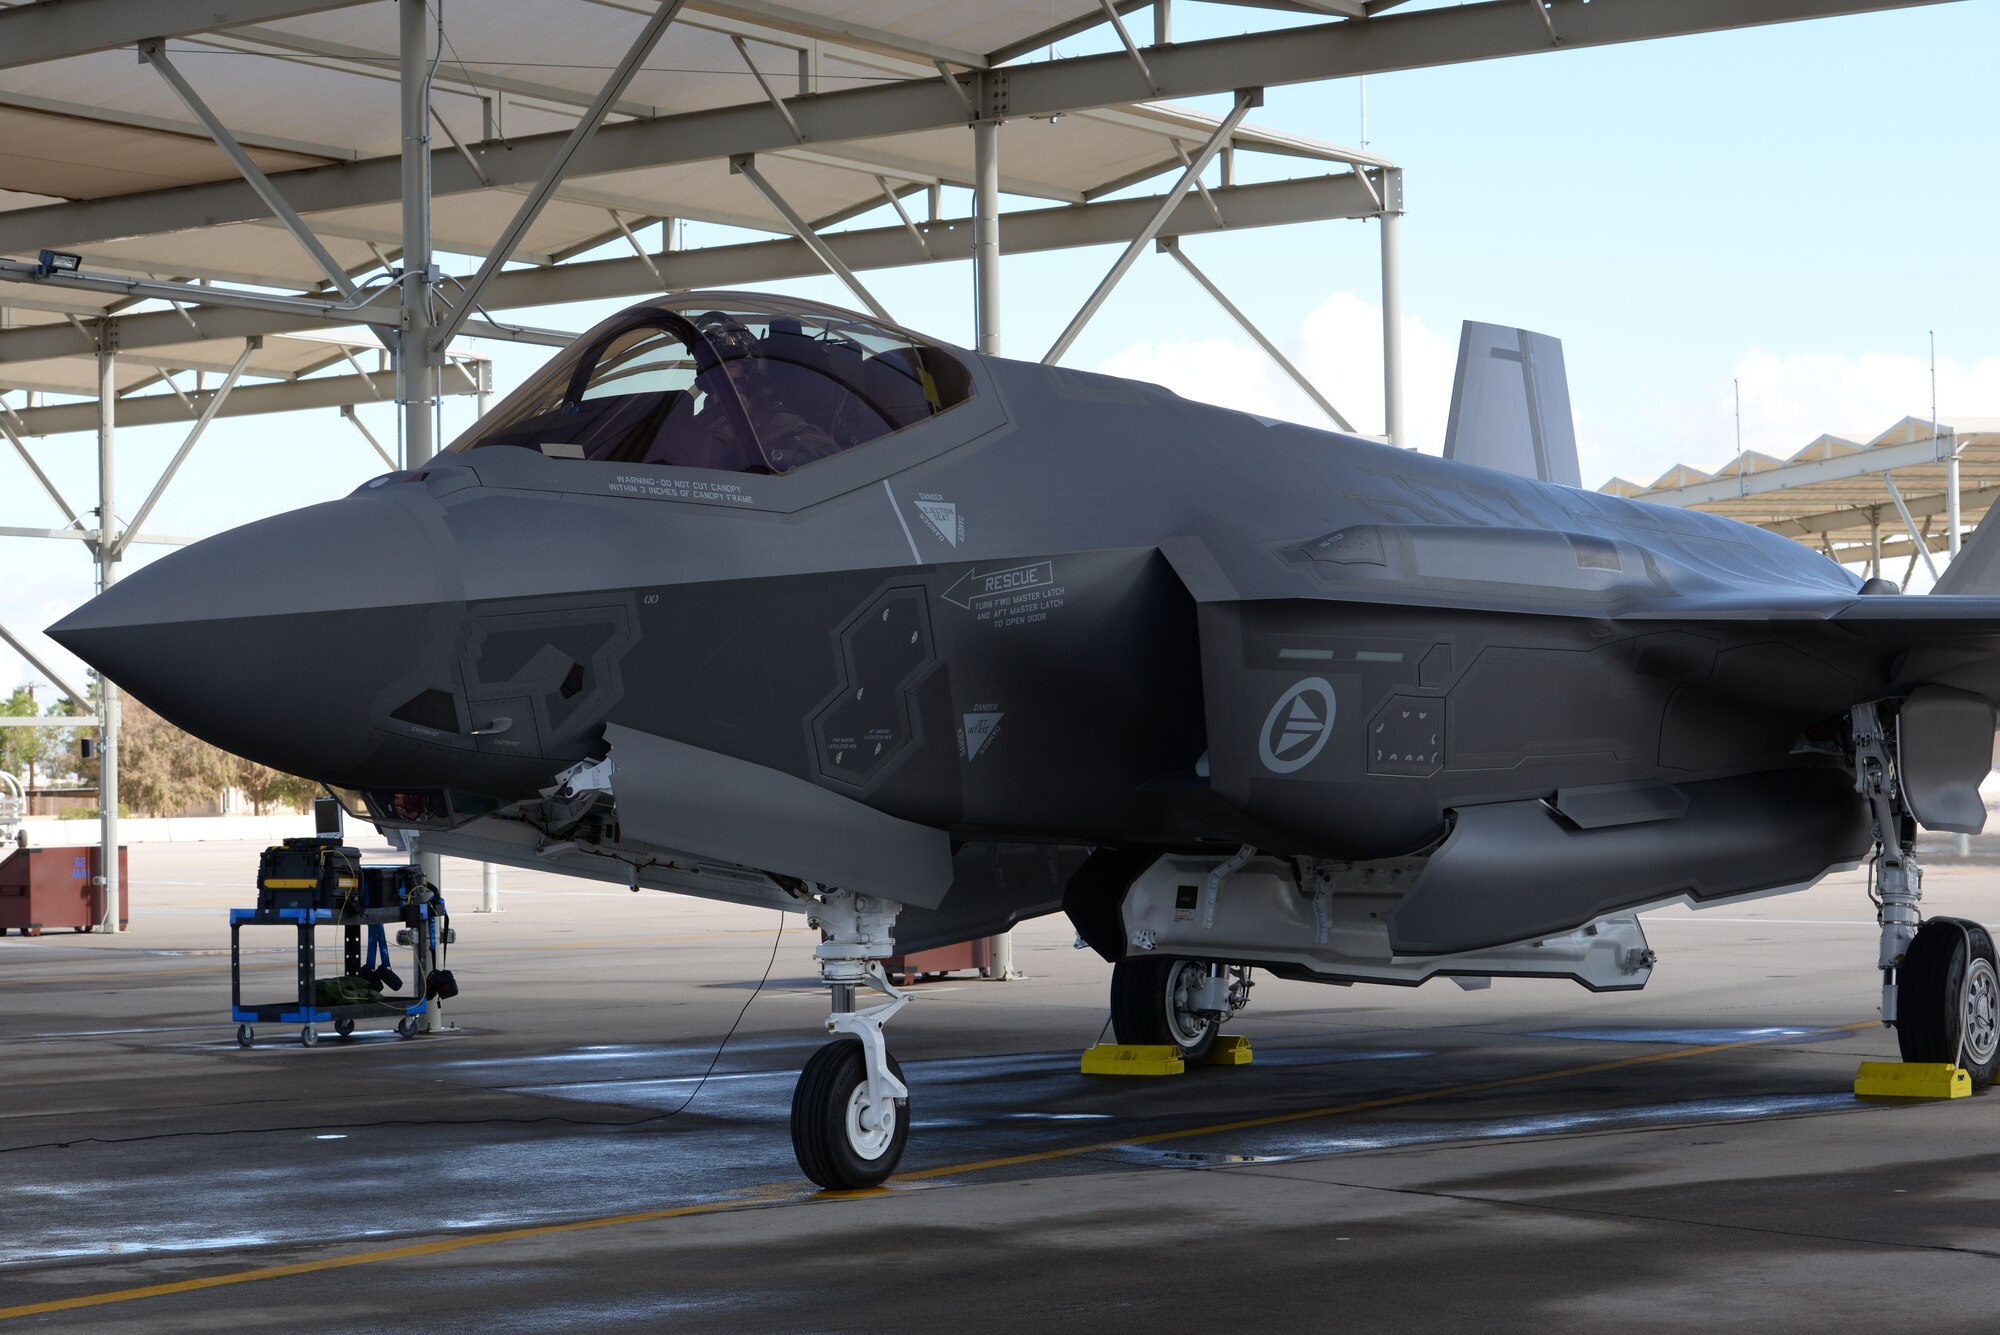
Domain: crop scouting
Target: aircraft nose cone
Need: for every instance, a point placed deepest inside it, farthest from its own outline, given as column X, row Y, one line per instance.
column 275, row 640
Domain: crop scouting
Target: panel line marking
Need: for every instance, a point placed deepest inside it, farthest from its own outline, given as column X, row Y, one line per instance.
column 908, row 537
column 775, row 1193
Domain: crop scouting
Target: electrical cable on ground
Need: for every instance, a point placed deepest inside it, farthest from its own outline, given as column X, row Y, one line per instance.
column 777, row 940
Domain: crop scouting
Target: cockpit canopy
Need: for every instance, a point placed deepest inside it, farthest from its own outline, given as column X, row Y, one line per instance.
column 726, row 381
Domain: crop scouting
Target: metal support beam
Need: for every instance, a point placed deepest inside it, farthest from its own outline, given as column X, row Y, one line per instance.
column 1916, row 534
column 21, row 448
column 155, row 54
column 80, row 698
column 292, row 313
column 107, row 574
column 1029, row 231
column 986, row 236
column 558, row 167
column 1172, row 247
column 909, row 223
column 1392, row 307
column 319, row 391
column 1131, row 47
column 208, row 411
column 1245, row 99
column 770, row 93
column 747, row 168
column 637, row 249
column 347, row 411
column 88, row 535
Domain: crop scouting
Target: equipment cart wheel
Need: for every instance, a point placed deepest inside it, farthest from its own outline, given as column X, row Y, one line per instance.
column 836, row 1143
column 345, row 1028
column 308, row 1036
column 406, row 1026
column 1948, row 999
column 1150, row 1003
column 245, row 1035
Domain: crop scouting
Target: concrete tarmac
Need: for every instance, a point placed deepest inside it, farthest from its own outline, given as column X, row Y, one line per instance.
column 577, row 1156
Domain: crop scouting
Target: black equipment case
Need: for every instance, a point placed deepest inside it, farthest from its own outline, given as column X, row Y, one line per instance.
column 310, row 873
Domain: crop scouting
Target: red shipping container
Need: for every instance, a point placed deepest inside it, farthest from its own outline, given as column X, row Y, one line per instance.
column 42, row 889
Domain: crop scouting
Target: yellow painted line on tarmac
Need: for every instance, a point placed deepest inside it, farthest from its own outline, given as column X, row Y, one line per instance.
column 777, row 1192
column 415, row 1249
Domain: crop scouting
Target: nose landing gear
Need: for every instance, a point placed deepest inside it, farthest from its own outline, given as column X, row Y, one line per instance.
column 851, row 1109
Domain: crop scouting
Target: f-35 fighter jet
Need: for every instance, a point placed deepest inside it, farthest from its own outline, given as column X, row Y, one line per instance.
column 763, row 601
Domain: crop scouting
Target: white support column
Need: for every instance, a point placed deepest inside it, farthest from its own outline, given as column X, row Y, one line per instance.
column 489, row 888
column 986, row 338
column 1954, row 502
column 107, row 574
column 416, row 380
column 416, row 376
column 986, row 236
column 1392, row 306
column 1961, row 844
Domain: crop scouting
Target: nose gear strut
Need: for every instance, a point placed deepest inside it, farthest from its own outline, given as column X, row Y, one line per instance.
column 850, row 1109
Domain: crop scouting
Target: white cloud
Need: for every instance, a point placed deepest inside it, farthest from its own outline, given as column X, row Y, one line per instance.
column 1338, row 347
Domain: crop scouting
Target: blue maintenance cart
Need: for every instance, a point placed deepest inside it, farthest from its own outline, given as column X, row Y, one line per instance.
column 418, row 918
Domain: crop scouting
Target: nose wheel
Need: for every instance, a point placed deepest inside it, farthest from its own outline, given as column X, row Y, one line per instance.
column 845, row 1136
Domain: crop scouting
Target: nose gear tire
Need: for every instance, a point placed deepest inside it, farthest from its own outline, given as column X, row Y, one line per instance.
column 834, row 1146
column 1149, row 1005
column 1948, row 999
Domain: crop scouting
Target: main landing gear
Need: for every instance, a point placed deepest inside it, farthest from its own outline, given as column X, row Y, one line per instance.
column 1161, row 1001
column 1940, row 983
column 851, row 1109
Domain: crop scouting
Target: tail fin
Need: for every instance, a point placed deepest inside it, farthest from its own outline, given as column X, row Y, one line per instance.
column 1510, row 405
column 1976, row 568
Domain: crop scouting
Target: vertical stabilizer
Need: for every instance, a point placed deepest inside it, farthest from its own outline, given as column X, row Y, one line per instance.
column 1510, row 405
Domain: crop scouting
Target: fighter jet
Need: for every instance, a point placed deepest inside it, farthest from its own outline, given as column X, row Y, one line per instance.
column 759, row 600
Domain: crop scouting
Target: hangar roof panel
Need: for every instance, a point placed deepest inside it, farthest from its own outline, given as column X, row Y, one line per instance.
column 1837, row 495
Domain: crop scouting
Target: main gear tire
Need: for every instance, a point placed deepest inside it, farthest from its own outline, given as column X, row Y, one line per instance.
column 834, row 1146
column 1948, row 999
column 1149, row 1005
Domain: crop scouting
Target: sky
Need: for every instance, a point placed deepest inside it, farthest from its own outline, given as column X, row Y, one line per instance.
column 1791, row 211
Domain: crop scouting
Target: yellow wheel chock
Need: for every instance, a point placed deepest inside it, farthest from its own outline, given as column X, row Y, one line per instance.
column 1912, row 1080
column 1160, row 1058
column 1229, row 1050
